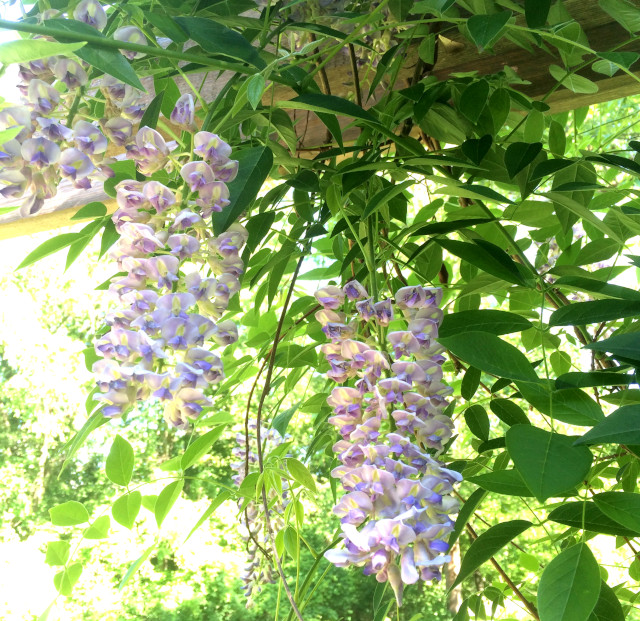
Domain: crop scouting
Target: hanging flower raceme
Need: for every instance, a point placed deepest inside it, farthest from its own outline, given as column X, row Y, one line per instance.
column 258, row 570
column 51, row 88
column 395, row 514
column 169, row 315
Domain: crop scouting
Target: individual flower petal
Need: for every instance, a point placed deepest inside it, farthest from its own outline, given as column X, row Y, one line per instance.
column 89, row 138
column 70, row 72
column 43, row 97
column 90, row 12
column 211, row 148
column 40, row 152
column 183, row 113
column 75, row 164
column 131, row 34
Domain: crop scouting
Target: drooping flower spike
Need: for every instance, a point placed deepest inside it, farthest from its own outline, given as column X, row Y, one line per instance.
column 395, row 515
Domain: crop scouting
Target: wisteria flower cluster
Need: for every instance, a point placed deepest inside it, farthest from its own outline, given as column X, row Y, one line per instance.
column 157, row 343
column 52, row 143
column 392, row 425
column 257, row 571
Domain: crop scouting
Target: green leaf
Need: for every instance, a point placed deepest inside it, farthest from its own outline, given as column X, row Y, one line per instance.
column 152, row 113
column 536, row 12
column 91, row 210
column 222, row 497
column 608, row 607
column 626, row 345
column 506, row 482
column 476, row 148
column 384, row 196
column 594, row 378
column 622, row 507
column 71, row 448
column 65, row 580
column 584, row 313
column 519, row 155
column 255, row 88
column 282, row 420
column 300, row 474
column 624, row 12
column 119, row 463
column 548, row 462
column 587, row 516
column 466, row 511
column 470, row 383
column 107, row 60
column 508, row 412
column 200, row 447
column 557, row 142
column 621, row 427
column 166, row 499
column 474, row 99
column 49, row 247
column 570, row 586
column 123, row 169
column 575, row 83
column 570, row 405
column 26, row 50
column 254, row 167
column 400, row 8
column 487, row 544
column 99, row 528
column 485, row 29
column 440, row 228
column 167, row 26
column 477, row 420
column 293, row 356
column 597, row 250
column 597, row 286
column 317, row 102
column 490, row 354
column 218, row 39
column 487, row 257
column 471, row 190
column 486, row 320
column 57, row 553
column 135, row 566
column 612, row 62
column 126, row 508
column 69, row 513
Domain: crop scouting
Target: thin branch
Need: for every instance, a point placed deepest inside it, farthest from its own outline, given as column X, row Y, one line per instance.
column 533, row 611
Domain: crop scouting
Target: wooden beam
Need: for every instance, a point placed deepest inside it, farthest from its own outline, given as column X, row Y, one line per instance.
column 456, row 54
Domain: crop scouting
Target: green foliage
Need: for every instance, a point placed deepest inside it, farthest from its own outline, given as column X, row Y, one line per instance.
column 527, row 218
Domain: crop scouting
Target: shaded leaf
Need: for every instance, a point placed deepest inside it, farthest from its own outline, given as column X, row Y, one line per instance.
column 583, row 313
column 466, row 511
column 506, row 482
column 107, row 60
column 218, row 39
column 300, row 474
column 519, row 155
column 486, row 320
column 490, row 354
column 485, row 29
column 548, row 462
column 621, row 427
column 587, row 516
column 254, row 167
column 477, row 421
column 487, row 544
column 622, row 507
column 223, row 496
column 57, row 553
column 569, row 586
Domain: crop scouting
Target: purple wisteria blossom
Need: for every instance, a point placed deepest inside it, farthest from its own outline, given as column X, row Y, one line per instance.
column 395, row 514
column 170, row 313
